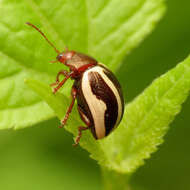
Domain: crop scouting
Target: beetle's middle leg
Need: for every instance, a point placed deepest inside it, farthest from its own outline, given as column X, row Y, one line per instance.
column 74, row 95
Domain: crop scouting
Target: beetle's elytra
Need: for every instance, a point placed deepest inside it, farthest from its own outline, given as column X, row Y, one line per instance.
column 98, row 93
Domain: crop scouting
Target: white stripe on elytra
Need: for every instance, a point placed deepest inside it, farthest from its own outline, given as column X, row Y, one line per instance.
column 115, row 91
column 97, row 106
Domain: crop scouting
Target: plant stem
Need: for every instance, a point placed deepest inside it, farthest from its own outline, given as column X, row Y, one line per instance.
column 115, row 181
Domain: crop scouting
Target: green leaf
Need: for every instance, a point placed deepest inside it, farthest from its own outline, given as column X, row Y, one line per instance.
column 147, row 119
column 145, row 122
column 105, row 29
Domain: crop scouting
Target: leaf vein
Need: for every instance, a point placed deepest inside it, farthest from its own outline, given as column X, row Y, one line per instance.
column 45, row 21
column 101, row 10
column 13, row 73
column 21, row 106
column 114, row 30
column 23, row 66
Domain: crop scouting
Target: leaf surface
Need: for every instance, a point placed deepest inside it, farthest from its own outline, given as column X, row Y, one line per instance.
column 107, row 30
column 145, row 121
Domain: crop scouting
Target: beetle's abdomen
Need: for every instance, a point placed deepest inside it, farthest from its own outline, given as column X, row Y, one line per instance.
column 103, row 96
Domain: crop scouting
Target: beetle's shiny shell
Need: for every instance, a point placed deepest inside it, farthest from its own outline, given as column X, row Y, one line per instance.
column 100, row 99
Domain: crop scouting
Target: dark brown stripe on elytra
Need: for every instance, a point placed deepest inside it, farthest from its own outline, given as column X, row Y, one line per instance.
column 104, row 93
column 112, row 77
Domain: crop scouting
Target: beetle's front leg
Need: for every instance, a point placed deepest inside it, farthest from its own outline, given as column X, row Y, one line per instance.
column 62, row 72
column 74, row 95
column 60, row 84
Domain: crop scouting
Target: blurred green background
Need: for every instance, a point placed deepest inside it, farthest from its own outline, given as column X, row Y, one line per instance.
column 41, row 157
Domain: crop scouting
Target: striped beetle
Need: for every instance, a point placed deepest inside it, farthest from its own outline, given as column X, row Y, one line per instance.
column 98, row 93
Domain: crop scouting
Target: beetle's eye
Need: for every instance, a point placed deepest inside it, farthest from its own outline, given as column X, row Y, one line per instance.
column 59, row 56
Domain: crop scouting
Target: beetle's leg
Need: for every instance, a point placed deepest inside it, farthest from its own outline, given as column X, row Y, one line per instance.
column 62, row 72
column 73, row 94
column 81, row 128
column 83, row 116
column 60, row 84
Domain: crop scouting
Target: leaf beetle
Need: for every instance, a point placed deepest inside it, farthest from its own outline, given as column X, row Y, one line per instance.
column 97, row 91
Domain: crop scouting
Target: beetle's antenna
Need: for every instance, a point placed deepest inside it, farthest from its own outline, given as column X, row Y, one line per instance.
column 43, row 36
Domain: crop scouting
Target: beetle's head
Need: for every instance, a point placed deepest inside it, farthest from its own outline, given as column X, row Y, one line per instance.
column 65, row 56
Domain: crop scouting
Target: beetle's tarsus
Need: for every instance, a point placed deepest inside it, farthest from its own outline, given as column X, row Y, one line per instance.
column 75, row 144
column 54, row 84
column 54, row 90
column 80, row 129
column 54, row 61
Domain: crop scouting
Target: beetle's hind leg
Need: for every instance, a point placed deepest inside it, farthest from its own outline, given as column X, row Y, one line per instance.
column 81, row 128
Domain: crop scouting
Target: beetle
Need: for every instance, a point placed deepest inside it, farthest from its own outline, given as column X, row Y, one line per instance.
column 97, row 91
